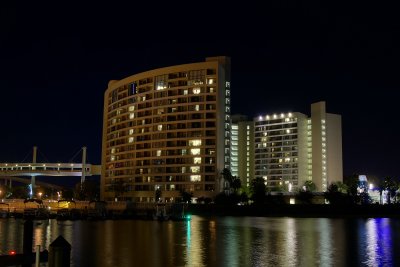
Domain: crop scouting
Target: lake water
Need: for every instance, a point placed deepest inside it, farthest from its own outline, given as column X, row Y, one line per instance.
column 219, row 241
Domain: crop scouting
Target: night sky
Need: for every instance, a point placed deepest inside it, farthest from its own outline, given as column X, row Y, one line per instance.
column 56, row 61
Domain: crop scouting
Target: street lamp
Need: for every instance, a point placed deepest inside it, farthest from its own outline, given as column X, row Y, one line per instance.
column 40, row 195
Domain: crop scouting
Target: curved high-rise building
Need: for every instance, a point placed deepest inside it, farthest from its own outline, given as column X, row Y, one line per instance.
column 167, row 131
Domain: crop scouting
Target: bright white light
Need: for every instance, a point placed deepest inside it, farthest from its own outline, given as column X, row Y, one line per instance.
column 195, row 151
column 195, row 178
column 195, row 142
column 371, row 186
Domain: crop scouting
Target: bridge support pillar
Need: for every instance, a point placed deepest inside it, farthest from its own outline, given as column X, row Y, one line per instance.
column 33, row 182
column 83, row 166
column 34, row 154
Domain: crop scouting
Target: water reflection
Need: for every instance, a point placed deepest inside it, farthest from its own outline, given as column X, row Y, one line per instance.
column 222, row 241
column 378, row 245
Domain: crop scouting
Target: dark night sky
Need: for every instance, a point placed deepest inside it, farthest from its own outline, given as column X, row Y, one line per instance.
column 56, row 61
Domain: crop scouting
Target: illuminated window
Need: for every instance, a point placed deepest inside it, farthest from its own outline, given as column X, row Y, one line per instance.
column 196, row 90
column 197, row 160
column 183, row 169
column 197, row 107
column 130, row 139
column 159, row 127
column 195, row 142
column 158, row 153
column 210, row 81
column 130, row 131
column 195, row 178
column 195, row 169
column 195, row 151
column 185, row 92
column 264, row 144
column 112, row 158
column 131, row 108
column 131, row 115
column 211, row 90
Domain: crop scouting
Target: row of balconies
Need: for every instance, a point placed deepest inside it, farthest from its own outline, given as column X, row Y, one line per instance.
column 167, row 187
column 170, row 127
column 274, row 155
column 171, row 97
column 149, row 174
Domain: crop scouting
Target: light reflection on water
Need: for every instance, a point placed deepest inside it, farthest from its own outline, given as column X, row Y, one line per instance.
column 219, row 241
column 378, row 242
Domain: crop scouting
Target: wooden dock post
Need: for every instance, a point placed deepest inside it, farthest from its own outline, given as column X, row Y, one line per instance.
column 59, row 253
column 27, row 242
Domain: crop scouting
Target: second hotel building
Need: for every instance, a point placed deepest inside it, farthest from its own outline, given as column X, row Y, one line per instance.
column 167, row 129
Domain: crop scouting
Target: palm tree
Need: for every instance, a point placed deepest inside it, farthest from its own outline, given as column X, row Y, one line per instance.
column 390, row 186
column 342, row 188
column 258, row 190
column 228, row 178
column 236, row 184
column 309, row 186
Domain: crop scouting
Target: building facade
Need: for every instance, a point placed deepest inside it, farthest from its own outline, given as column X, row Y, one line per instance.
column 167, row 130
column 242, row 148
column 291, row 148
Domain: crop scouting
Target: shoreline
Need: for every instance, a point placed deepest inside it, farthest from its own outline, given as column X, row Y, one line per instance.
column 299, row 210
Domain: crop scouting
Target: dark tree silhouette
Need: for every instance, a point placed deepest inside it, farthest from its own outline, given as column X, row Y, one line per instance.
column 258, row 190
